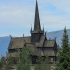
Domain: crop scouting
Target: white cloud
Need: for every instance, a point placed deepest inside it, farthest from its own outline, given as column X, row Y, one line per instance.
column 21, row 14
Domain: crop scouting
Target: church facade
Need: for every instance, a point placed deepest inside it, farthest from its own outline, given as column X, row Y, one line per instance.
column 38, row 42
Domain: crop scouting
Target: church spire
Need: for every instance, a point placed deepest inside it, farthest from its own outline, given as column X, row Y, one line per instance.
column 37, row 20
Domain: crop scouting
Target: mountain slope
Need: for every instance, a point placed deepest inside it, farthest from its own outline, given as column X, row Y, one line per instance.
column 58, row 35
column 4, row 42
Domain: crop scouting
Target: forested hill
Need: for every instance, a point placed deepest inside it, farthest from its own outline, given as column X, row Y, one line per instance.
column 4, row 41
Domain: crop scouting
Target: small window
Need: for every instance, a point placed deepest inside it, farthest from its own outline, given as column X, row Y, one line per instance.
column 51, row 59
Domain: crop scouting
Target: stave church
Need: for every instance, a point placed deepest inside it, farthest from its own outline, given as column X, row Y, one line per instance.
column 38, row 42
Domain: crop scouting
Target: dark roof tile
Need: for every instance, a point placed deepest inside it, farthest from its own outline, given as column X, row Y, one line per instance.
column 18, row 42
column 49, row 43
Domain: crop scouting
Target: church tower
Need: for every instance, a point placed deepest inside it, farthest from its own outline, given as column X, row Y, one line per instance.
column 37, row 32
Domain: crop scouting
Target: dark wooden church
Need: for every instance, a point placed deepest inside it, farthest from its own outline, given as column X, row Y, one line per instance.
column 37, row 41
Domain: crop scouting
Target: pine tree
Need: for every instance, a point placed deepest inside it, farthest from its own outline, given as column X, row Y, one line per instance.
column 64, row 54
column 24, row 59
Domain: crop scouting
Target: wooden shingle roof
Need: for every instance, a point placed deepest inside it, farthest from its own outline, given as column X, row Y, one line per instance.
column 19, row 42
column 33, row 48
column 40, row 43
column 49, row 43
column 49, row 53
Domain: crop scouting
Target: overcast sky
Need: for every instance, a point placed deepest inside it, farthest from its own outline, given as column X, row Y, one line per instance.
column 16, row 16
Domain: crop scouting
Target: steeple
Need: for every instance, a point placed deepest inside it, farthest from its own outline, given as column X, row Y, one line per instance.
column 37, row 32
column 37, row 20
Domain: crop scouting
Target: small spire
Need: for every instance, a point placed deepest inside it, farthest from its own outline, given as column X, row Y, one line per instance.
column 10, row 36
column 49, row 38
column 31, row 28
column 43, row 27
column 23, row 35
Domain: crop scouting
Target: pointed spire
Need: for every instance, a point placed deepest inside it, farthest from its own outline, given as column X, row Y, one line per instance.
column 31, row 28
column 37, row 20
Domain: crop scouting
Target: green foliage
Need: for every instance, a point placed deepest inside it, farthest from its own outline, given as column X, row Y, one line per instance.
column 42, row 63
column 64, row 54
column 2, row 63
column 24, row 59
column 5, row 64
column 8, row 65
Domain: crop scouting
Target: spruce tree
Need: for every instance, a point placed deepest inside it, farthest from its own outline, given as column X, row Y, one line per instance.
column 42, row 63
column 9, row 63
column 24, row 59
column 7, row 66
column 39, row 60
column 63, row 54
column 2, row 63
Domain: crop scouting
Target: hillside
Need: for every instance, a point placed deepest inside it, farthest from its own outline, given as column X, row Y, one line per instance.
column 58, row 35
column 4, row 42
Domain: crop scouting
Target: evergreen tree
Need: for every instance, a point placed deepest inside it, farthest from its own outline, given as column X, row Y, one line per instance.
column 2, row 63
column 8, row 64
column 24, row 59
column 64, row 54
column 42, row 63
column 38, row 66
